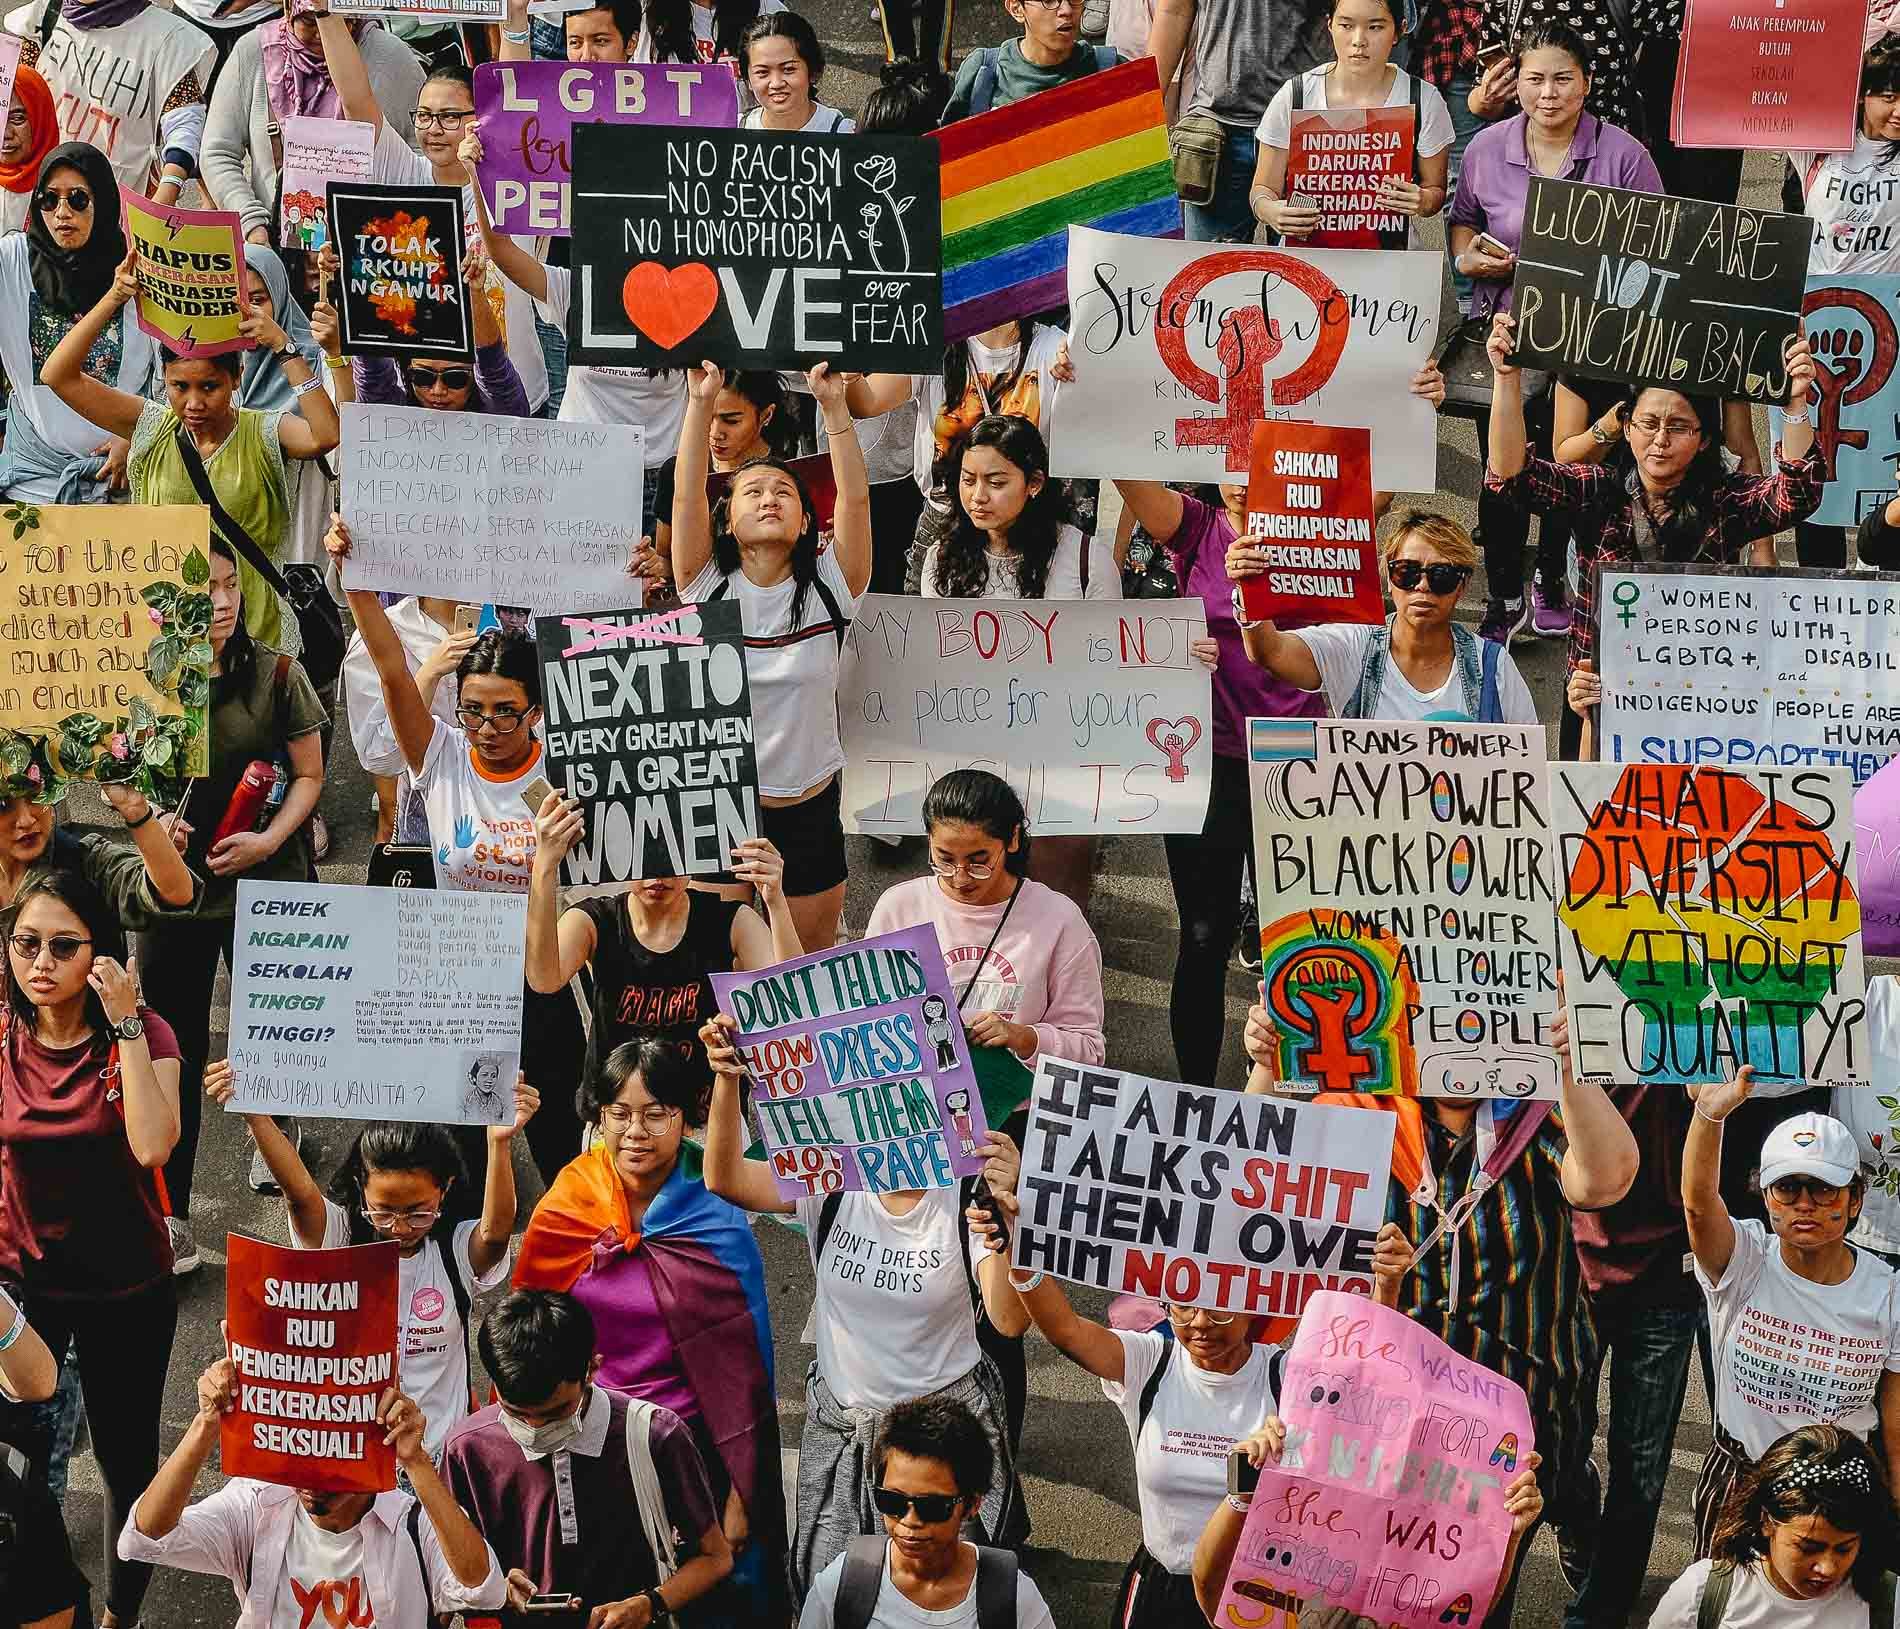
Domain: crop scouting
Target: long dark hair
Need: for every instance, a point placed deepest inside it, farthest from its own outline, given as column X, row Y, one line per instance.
column 1817, row 1470
column 963, row 557
column 1684, row 531
column 956, row 364
column 1880, row 76
column 804, row 549
column 670, row 24
column 507, row 654
column 764, row 390
column 102, row 924
column 240, row 650
column 398, row 1145
column 975, row 797
column 908, row 99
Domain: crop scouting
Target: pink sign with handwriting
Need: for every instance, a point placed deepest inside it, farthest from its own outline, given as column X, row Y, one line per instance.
column 1388, row 1499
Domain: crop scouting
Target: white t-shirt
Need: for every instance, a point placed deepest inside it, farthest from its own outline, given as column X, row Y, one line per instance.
column 481, row 828
column 329, row 1566
column 433, row 1367
column 894, row 1317
column 1789, row 1352
column 1755, row 1603
column 794, row 684
column 896, row 1610
column 656, row 401
column 1034, row 388
column 1339, row 648
column 824, row 120
column 705, row 35
column 1181, row 1453
column 1854, row 200
column 394, row 163
column 1876, row 1127
column 1065, row 572
column 371, row 733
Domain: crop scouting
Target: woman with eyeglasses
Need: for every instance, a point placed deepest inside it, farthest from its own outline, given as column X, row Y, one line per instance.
column 491, row 386
column 397, row 1181
column 1420, row 663
column 675, row 1284
column 51, row 276
column 1797, row 1272
column 88, row 1114
column 30, row 132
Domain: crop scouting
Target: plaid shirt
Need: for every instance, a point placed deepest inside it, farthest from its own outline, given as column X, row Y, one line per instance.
column 1446, row 43
column 1602, row 506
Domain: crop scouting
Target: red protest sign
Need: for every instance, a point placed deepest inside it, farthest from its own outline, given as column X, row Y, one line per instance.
column 1309, row 507
column 1335, row 160
column 312, row 1335
column 1774, row 74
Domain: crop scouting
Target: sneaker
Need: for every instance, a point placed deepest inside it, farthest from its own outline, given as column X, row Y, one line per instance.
column 1577, row 1538
column 1247, row 939
column 261, row 1180
column 184, row 1246
column 1505, row 624
column 1550, row 610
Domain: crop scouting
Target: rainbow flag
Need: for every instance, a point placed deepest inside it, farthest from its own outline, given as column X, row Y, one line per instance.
column 1093, row 152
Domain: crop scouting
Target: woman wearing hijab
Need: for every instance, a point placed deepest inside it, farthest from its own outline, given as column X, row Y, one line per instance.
column 263, row 384
column 51, row 275
column 30, row 133
column 275, row 73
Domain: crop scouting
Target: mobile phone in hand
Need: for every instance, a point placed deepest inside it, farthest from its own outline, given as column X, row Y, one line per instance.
column 1491, row 246
column 1489, row 56
column 1243, row 1475
column 536, row 793
column 552, row 1603
column 992, row 1207
column 1299, row 200
column 467, row 618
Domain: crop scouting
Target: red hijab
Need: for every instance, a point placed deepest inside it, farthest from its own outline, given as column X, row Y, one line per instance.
column 31, row 92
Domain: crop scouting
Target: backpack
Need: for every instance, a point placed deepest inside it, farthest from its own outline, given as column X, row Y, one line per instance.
column 863, row 1576
column 1477, row 673
column 839, row 624
column 1276, row 1374
column 1721, row 1580
column 983, row 92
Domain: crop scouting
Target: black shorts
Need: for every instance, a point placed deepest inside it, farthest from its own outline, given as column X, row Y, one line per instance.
column 810, row 837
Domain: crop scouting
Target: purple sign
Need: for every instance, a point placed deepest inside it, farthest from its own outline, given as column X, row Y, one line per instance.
column 527, row 110
column 860, row 1071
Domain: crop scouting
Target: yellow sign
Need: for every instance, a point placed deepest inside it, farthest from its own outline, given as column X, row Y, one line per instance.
column 190, row 263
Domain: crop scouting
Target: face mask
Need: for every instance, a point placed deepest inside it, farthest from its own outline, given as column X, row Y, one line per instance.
column 550, row 1438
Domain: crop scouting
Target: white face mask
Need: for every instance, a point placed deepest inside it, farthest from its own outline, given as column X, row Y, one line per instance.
column 550, row 1438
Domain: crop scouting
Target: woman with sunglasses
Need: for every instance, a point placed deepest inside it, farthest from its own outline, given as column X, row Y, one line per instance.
column 1797, row 1271
column 88, row 1114
column 676, row 1287
column 51, row 276
column 471, row 781
column 1421, row 663
column 491, row 386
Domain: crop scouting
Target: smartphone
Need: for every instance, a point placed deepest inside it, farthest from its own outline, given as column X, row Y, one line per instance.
column 1243, row 1475
column 536, row 793
column 1299, row 200
column 467, row 618
column 1491, row 246
column 1488, row 55
column 552, row 1603
column 982, row 1199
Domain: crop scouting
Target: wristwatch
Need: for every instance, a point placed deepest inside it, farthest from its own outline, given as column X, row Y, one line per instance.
column 662, row 1613
column 289, row 350
column 1601, row 436
column 129, row 1028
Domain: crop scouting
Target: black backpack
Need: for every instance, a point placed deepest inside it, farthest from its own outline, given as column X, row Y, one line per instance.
column 1721, row 1580
column 863, row 1576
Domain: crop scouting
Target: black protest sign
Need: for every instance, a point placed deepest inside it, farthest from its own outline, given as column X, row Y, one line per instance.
column 649, row 730
column 755, row 249
column 401, row 254
column 1658, row 290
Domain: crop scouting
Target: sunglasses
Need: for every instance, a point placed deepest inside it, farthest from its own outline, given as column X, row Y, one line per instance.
column 930, row 1507
column 1438, row 578
column 1789, row 1189
column 77, row 198
column 64, row 946
column 452, row 378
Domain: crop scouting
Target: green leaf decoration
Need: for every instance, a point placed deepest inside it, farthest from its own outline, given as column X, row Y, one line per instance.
column 158, row 751
column 160, row 596
column 162, row 659
column 143, row 718
column 197, row 569
column 192, row 615
column 75, row 756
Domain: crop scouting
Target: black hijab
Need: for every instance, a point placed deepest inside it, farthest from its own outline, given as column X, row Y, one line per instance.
column 70, row 282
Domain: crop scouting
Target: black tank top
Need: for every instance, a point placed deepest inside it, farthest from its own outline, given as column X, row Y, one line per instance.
column 639, row 992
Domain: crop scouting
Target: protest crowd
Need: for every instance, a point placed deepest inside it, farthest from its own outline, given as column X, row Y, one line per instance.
column 553, row 416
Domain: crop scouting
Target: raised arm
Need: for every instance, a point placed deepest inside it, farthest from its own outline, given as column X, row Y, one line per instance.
column 559, row 942
column 409, row 717
column 114, row 411
column 755, row 943
column 347, row 71
column 870, row 394
column 488, row 1244
column 692, row 519
column 1711, row 1228
column 166, row 874
column 851, row 519
column 1510, row 446
column 463, row 1548
column 517, row 265
column 1159, row 508
column 1287, row 658
column 1601, row 1159
column 303, row 1199
column 749, row 1184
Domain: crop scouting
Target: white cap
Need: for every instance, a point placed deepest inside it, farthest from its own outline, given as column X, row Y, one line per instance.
column 1815, row 1145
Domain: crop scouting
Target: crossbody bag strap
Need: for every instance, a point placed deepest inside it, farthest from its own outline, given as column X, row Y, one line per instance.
column 1014, row 895
column 228, row 529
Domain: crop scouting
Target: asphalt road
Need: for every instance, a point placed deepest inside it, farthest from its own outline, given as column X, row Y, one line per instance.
column 1076, row 1459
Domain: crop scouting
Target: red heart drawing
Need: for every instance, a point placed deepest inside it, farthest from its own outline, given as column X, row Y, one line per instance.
column 669, row 307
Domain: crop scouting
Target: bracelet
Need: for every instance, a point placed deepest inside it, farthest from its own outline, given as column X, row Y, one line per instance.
column 1712, row 1119
column 1805, row 416
column 1027, row 1284
column 314, row 382
column 133, row 825
column 19, row 1324
column 850, row 429
column 515, row 39
column 1240, row 611
column 1243, row 1502
column 1254, row 197
column 337, row 364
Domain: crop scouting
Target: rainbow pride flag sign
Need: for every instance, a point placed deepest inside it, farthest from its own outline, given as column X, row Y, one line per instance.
column 1093, row 152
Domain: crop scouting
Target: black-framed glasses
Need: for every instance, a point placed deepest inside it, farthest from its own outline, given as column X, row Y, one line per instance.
column 1440, row 577
column 654, row 1117
column 424, row 377
column 77, row 199
column 1789, row 1190
column 930, row 1507
column 503, row 720
column 64, row 946
column 449, row 119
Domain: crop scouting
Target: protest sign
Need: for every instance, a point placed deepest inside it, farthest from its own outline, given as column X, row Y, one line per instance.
column 189, row 263
column 1309, row 509
column 104, row 614
column 1386, row 1505
column 1711, row 919
column 1092, row 152
column 1335, row 160
column 649, row 730
column 400, row 250
column 312, row 1336
column 1743, row 666
column 317, row 152
column 1655, row 289
column 1877, row 829
column 1198, row 1197
column 1405, row 874
column 860, row 1071
column 754, row 248
column 528, row 111
column 1095, row 711
column 479, row 506
column 1855, row 322
column 351, row 1002
column 1775, row 74
column 433, row 11
column 1179, row 349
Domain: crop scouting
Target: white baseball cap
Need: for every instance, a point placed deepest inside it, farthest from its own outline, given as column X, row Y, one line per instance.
column 1815, row 1145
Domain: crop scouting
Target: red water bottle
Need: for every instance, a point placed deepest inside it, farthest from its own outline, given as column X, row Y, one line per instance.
column 247, row 802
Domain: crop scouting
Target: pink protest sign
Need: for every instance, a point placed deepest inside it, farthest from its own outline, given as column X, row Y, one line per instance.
column 1388, row 1500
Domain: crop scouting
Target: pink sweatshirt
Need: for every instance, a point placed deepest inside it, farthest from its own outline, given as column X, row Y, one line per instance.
column 1045, row 970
